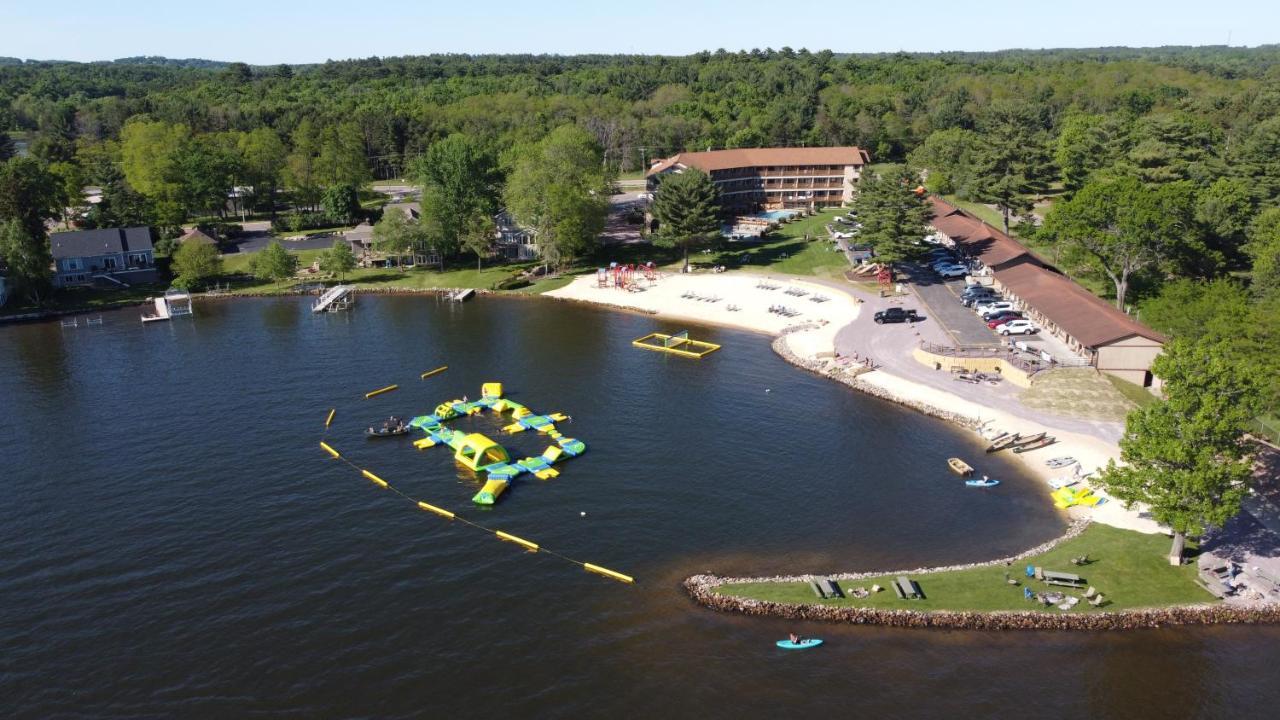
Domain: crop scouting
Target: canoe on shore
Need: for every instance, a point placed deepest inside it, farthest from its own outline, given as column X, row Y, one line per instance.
column 959, row 467
column 1042, row 442
column 1029, row 439
column 1002, row 442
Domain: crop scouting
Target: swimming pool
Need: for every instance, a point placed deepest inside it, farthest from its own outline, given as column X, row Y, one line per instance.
column 775, row 214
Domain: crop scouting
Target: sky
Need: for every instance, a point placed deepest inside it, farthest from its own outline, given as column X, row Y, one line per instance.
column 264, row 32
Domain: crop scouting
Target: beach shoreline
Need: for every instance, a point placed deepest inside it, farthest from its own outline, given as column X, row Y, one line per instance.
column 808, row 342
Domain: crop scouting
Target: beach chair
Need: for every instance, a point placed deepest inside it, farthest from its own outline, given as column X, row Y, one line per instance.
column 1097, row 600
column 1088, row 594
column 1031, row 571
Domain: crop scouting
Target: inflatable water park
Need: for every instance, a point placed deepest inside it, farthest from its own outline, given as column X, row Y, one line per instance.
column 479, row 453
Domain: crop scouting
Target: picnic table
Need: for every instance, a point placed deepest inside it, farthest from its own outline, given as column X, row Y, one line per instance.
column 1061, row 578
column 906, row 588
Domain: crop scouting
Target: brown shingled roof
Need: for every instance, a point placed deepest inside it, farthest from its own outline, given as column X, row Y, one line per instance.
column 763, row 157
column 1088, row 318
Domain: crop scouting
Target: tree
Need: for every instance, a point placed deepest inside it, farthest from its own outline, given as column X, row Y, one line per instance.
column 7, row 148
column 1185, row 457
column 460, row 180
column 1012, row 162
column 398, row 234
column 263, row 158
column 341, row 202
column 274, row 263
column 1120, row 227
column 338, row 260
column 194, row 263
column 949, row 156
column 147, row 150
column 557, row 190
column 26, row 256
column 1264, row 249
column 1080, row 149
column 201, row 174
column 341, row 158
column 1193, row 310
column 477, row 236
column 894, row 218
column 29, row 194
column 1224, row 210
column 300, row 166
column 686, row 208
column 120, row 206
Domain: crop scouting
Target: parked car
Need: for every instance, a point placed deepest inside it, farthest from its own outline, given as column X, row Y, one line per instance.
column 895, row 315
column 999, row 319
column 1018, row 327
column 953, row 271
column 944, row 263
column 978, row 290
column 988, row 309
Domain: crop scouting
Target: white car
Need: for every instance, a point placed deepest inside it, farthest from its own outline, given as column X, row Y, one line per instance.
column 991, row 308
column 844, row 235
column 1018, row 327
column 953, row 271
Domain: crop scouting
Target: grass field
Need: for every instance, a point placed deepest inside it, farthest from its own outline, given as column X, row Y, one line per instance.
column 1129, row 568
column 1136, row 394
column 1078, row 392
column 787, row 251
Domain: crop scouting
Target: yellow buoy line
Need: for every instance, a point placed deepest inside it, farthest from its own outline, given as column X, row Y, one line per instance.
column 437, row 371
column 329, row 420
column 503, row 536
column 379, row 391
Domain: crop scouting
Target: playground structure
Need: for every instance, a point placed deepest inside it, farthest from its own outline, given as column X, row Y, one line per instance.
column 678, row 344
column 479, row 453
column 627, row 277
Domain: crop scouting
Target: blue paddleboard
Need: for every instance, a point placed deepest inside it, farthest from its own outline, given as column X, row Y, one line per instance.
column 804, row 644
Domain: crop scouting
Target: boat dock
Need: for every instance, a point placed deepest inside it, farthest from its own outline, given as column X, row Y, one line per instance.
column 338, row 297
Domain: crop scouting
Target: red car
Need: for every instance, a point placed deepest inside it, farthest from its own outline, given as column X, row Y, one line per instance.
column 996, row 321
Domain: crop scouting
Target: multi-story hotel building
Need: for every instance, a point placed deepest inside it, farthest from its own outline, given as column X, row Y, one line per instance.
column 755, row 179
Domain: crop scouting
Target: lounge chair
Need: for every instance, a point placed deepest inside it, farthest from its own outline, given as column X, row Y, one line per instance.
column 1097, row 600
column 1088, row 594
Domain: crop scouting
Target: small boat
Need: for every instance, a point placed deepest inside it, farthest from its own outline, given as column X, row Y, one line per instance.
column 386, row 432
column 1036, row 445
column 959, row 467
column 1002, row 442
column 984, row 482
column 1060, row 462
column 804, row 644
column 1029, row 439
column 1065, row 481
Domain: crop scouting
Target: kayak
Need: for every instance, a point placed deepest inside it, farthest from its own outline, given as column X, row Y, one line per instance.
column 804, row 644
column 982, row 483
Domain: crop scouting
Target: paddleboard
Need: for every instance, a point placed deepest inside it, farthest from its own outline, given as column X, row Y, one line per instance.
column 804, row 644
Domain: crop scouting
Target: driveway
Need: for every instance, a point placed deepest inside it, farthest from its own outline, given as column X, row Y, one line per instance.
column 257, row 240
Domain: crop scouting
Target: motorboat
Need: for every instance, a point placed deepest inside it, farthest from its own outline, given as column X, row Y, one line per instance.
column 959, row 467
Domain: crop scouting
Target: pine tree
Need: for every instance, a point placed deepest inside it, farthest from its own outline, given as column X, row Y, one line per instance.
column 894, row 218
column 686, row 209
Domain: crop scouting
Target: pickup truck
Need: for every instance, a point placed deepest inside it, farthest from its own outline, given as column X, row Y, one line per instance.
column 895, row 315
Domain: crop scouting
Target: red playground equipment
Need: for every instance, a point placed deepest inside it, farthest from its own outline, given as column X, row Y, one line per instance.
column 626, row 276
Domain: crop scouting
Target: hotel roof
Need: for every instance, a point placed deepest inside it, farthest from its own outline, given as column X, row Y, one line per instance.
column 764, row 157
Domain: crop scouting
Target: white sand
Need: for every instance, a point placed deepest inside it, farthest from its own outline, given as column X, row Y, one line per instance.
column 664, row 298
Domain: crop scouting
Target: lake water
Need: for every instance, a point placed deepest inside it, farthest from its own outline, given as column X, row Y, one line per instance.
column 173, row 543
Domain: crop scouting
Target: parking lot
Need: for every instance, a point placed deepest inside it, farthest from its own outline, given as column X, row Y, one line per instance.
column 942, row 301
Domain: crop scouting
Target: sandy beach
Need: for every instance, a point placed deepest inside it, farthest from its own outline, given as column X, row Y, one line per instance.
column 744, row 301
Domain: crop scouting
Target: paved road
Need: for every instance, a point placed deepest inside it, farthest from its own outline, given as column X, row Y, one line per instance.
column 617, row 231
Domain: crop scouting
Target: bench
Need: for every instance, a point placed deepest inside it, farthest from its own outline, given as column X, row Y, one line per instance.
column 830, row 588
column 906, row 588
column 1063, row 579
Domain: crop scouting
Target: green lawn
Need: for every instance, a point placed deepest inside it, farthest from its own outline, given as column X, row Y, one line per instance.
column 236, row 267
column 786, row 251
column 1136, row 394
column 982, row 212
column 1130, row 569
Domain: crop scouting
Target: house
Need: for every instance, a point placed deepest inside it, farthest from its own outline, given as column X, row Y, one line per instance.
column 513, row 242
column 1112, row 341
column 411, row 210
column 112, row 256
column 762, row 179
column 197, row 237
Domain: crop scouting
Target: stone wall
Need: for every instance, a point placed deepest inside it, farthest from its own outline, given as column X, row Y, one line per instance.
column 849, row 376
column 702, row 589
